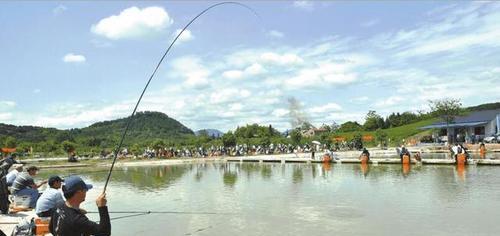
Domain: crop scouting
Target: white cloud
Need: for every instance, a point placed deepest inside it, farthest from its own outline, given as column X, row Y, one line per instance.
column 59, row 9
column 255, row 69
column 194, row 73
column 233, row 74
column 235, row 107
column 184, row 37
column 318, row 73
column 306, row 5
column 73, row 58
column 370, row 23
column 79, row 114
column 7, row 104
column 276, row 34
column 226, row 95
column 361, row 99
column 390, row 101
column 133, row 22
column 458, row 29
column 197, row 80
column 324, row 74
column 330, row 107
column 6, row 117
column 285, row 59
column 280, row 112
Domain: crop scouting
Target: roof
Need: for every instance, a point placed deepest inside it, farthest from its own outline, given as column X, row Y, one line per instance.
column 464, row 124
column 474, row 118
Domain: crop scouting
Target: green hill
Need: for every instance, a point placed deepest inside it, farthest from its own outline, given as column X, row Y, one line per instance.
column 395, row 134
column 146, row 127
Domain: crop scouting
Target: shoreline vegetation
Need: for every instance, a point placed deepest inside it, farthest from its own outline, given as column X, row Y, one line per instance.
column 157, row 132
column 389, row 153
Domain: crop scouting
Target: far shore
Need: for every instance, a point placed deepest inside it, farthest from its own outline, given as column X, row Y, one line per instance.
column 61, row 162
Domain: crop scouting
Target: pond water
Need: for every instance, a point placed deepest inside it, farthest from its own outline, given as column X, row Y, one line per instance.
column 300, row 199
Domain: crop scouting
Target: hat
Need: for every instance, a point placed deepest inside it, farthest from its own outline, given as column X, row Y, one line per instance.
column 32, row 168
column 75, row 183
column 54, row 179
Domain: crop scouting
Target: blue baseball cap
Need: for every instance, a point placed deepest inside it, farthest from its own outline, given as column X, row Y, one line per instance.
column 75, row 183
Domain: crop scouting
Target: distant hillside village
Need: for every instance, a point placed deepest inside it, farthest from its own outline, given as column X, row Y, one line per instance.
column 447, row 123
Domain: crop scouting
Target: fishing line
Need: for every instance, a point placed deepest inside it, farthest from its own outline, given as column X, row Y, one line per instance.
column 129, row 120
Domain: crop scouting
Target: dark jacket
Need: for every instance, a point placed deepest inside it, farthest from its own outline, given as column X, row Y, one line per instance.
column 67, row 221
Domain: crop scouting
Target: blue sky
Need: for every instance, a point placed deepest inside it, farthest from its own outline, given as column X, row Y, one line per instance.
column 70, row 64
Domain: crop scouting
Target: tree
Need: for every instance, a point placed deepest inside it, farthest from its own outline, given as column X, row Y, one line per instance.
column 325, row 138
column 447, row 109
column 229, row 139
column 10, row 142
column 296, row 136
column 158, row 144
column 334, row 127
column 373, row 121
column 68, row 146
column 306, row 126
column 350, row 126
column 381, row 137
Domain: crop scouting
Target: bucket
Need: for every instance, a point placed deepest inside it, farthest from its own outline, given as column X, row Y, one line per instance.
column 42, row 226
column 326, row 158
column 22, row 201
column 364, row 159
column 406, row 159
column 461, row 160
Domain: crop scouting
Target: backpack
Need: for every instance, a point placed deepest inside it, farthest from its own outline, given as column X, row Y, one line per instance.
column 24, row 228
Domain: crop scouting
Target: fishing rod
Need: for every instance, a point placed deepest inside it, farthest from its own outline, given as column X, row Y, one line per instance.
column 164, row 212
column 129, row 120
column 142, row 213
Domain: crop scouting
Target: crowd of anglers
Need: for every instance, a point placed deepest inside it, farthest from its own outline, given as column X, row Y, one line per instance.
column 57, row 207
column 237, row 150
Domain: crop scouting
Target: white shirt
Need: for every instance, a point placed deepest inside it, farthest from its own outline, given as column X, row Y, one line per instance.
column 11, row 176
column 48, row 200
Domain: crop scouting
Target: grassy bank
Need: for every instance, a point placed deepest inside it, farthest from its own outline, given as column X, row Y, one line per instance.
column 395, row 135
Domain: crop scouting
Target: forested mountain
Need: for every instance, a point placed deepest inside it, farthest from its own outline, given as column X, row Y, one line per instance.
column 146, row 127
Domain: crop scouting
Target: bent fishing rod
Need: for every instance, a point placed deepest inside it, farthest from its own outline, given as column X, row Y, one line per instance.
column 143, row 213
column 129, row 120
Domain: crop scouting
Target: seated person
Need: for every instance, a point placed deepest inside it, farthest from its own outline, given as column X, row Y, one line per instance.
column 50, row 198
column 456, row 149
column 24, row 185
column 366, row 153
column 404, row 151
column 462, row 150
column 11, row 176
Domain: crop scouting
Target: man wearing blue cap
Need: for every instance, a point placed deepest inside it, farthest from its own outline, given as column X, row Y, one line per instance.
column 69, row 220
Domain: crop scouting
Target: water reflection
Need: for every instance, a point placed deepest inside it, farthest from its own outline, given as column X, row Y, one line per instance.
column 266, row 172
column 365, row 168
column 297, row 175
column 461, row 172
column 406, row 167
column 230, row 176
column 161, row 177
column 150, row 178
column 327, row 199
